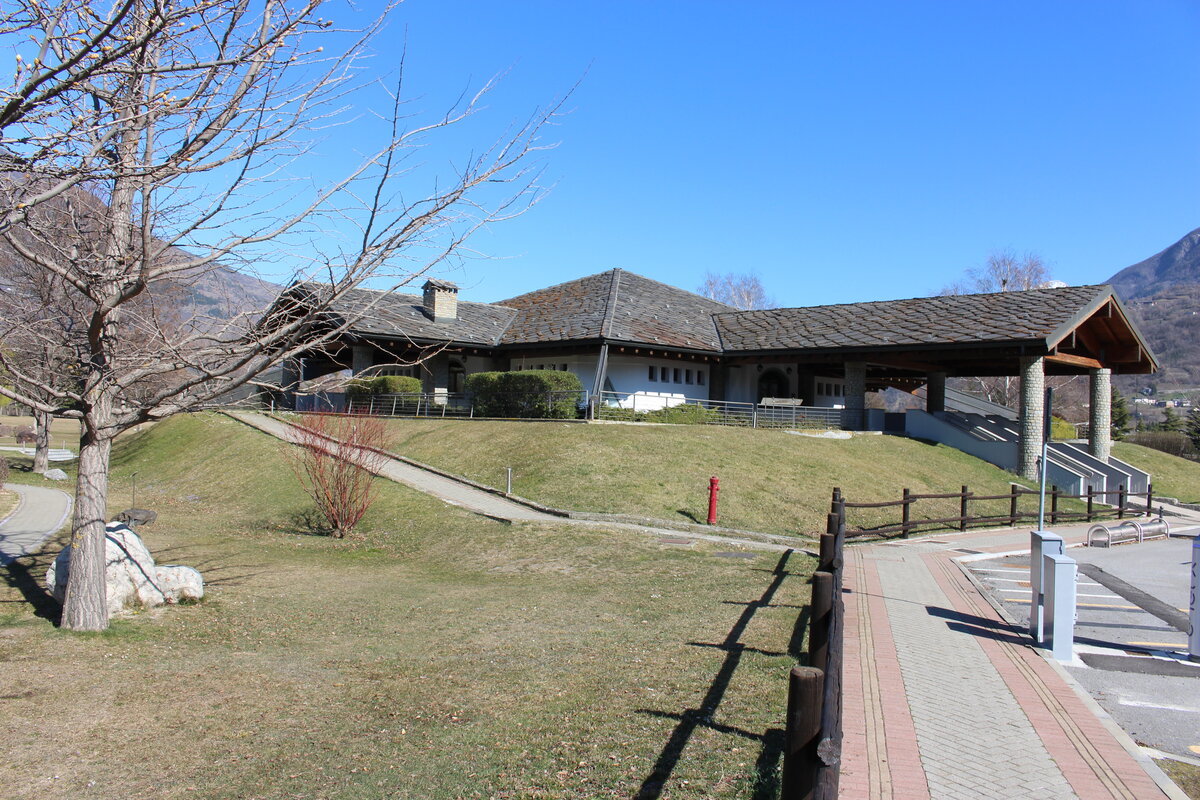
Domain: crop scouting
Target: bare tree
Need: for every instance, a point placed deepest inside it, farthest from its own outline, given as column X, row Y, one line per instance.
column 335, row 459
column 1004, row 271
column 180, row 150
column 743, row 291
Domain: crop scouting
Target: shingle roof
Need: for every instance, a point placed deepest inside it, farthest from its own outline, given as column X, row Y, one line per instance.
column 402, row 316
column 952, row 319
column 618, row 306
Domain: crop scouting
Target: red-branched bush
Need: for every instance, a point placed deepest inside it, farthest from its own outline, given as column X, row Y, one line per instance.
column 336, row 458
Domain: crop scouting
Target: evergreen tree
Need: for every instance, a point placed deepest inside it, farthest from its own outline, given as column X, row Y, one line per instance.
column 1193, row 427
column 1171, row 421
column 1120, row 415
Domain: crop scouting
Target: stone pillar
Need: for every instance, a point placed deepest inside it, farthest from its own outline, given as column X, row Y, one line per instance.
column 1100, row 424
column 854, row 416
column 1033, row 404
column 362, row 357
column 935, row 392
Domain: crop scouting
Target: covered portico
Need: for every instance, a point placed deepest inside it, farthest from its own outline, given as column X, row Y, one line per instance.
column 907, row 343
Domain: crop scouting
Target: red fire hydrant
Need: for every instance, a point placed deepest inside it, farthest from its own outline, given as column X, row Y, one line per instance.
column 713, row 488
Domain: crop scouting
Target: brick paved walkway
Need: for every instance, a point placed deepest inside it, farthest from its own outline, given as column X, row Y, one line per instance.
column 945, row 700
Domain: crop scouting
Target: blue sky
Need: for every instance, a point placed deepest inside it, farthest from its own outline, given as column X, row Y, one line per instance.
column 843, row 151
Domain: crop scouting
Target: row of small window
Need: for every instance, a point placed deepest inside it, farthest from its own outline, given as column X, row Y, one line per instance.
column 553, row 367
column 676, row 375
column 829, row 389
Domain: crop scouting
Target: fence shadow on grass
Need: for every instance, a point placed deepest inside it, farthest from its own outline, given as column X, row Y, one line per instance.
column 771, row 741
column 20, row 575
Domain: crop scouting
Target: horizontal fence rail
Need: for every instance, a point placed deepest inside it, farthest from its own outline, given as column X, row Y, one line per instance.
column 664, row 407
column 927, row 512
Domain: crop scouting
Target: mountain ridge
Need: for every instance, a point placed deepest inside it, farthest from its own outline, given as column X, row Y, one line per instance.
column 1162, row 294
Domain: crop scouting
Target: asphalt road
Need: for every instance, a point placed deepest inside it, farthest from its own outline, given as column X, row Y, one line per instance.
column 1130, row 635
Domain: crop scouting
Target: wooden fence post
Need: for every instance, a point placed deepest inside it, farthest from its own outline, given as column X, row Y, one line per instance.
column 802, row 732
column 904, row 515
column 1012, row 506
column 1091, row 495
column 1121, row 501
column 1053, row 504
column 818, row 623
column 828, row 550
column 1149, row 499
column 962, row 510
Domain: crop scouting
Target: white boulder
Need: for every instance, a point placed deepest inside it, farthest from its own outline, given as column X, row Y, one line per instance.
column 132, row 577
column 55, row 474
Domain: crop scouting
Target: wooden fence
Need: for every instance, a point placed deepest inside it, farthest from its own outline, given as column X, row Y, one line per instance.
column 910, row 504
column 813, row 734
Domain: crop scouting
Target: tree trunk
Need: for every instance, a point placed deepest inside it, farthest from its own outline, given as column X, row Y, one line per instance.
column 86, row 607
column 41, row 448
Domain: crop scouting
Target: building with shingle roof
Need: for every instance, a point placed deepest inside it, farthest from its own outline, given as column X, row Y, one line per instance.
column 632, row 336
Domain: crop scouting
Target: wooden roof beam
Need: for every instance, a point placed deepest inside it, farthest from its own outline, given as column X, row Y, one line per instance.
column 1074, row 361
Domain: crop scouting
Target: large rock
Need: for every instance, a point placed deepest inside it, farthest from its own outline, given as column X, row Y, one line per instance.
column 132, row 578
column 55, row 474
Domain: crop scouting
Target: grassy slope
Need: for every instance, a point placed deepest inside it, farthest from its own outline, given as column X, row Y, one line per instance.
column 770, row 481
column 1172, row 476
column 440, row 656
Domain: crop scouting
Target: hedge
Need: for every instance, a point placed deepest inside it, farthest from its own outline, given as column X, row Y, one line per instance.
column 382, row 384
column 528, row 394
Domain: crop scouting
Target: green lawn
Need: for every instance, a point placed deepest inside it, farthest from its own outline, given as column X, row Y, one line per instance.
column 770, row 481
column 1172, row 476
column 439, row 655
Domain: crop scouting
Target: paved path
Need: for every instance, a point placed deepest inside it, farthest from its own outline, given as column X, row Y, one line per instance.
column 497, row 506
column 41, row 512
column 946, row 700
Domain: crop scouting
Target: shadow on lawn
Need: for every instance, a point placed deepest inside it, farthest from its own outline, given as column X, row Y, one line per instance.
column 308, row 522
column 771, row 741
column 19, row 574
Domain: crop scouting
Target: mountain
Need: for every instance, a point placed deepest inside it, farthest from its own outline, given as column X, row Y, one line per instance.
column 219, row 294
column 1162, row 293
column 1178, row 265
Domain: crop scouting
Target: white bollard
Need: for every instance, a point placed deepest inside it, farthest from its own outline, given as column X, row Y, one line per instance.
column 1040, row 543
column 1194, row 617
column 1060, row 605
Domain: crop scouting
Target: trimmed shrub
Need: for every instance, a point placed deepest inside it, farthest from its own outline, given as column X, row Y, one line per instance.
column 1060, row 429
column 1175, row 443
column 359, row 388
column 529, row 394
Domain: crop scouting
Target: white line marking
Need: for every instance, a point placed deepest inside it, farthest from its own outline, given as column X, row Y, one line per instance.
column 1141, row 704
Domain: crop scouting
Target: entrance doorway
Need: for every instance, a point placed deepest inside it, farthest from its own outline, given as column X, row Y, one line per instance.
column 772, row 383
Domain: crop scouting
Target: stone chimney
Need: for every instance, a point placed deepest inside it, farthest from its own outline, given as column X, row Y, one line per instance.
column 441, row 300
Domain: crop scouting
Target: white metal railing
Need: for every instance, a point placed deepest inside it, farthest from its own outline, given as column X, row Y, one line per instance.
column 659, row 407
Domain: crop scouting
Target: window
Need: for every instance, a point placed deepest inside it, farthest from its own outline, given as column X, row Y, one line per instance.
column 664, row 374
column 653, row 373
column 677, row 375
column 564, row 367
column 700, row 377
column 687, row 376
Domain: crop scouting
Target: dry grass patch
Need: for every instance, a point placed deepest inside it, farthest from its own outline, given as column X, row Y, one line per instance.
column 440, row 656
column 8, row 502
